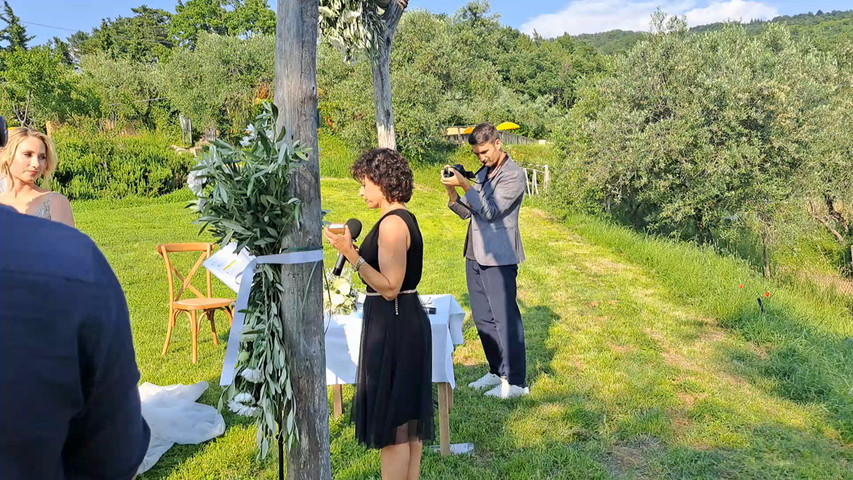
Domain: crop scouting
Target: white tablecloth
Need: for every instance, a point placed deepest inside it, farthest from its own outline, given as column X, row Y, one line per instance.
column 343, row 338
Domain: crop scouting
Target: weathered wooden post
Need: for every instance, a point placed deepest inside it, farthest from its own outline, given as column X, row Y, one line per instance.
column 302, row 301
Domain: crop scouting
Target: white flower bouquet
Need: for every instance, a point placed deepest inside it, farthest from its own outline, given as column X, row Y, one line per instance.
column 340, row 296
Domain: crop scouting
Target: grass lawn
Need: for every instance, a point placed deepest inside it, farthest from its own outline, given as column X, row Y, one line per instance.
column 645, row 357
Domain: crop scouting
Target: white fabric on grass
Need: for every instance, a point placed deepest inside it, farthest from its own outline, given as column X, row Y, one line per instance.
column 174, row 417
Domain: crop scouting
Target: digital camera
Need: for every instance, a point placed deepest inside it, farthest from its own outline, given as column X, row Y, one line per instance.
column 446, row 173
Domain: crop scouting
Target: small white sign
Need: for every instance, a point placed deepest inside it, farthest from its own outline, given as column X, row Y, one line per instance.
column 228, row 266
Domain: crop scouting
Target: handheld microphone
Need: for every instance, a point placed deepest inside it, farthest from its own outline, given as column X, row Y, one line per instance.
column 354, row 230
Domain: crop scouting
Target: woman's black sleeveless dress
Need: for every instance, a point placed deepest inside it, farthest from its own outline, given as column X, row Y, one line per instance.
column 393, row 402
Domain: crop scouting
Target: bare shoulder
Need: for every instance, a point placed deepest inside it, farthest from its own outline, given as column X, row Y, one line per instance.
column 394, row 229
column 60, row 208
column 393, row 225
column 58, row 201
column 57, row 198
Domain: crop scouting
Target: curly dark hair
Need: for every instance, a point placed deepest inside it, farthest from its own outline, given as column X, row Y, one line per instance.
column 388, row 169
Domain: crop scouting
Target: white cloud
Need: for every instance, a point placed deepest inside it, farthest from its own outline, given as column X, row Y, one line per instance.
column 591, row 16
column 737, row 10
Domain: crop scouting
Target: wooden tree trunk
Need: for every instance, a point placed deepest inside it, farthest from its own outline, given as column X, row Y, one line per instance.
column 302, row 301
column 381, row 69
column 186, row 130
column 835, row 214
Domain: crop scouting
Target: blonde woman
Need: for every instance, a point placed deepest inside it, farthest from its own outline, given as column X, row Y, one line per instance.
column 28, row 156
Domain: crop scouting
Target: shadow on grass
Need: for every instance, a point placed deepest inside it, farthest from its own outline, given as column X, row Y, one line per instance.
column 576, row 432
column 465, row 302
column 572, row 430
column 478, row 419
column 796, row 362
column 537, row 321
column 473, row 419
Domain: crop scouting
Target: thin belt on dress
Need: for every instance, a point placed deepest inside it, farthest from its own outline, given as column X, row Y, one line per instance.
column 396, row 305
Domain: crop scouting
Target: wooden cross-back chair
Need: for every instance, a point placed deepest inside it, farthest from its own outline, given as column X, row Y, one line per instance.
column 191, row 306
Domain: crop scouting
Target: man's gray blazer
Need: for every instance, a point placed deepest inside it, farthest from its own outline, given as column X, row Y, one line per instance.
column 493, row 206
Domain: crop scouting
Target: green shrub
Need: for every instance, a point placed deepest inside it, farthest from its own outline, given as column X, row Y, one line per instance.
column 336, row 156
column 699, row 136
column 110, row 166
column 535, row 154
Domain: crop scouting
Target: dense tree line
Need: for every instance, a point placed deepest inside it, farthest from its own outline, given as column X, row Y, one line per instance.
column 823, row 27
column 716, row 134
column 716, row 137
column 211, row 61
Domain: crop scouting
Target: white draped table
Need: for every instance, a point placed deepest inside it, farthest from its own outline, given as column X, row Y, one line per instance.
column 343, row 340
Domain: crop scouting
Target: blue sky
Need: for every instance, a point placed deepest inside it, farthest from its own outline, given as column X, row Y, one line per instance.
column 548, row 17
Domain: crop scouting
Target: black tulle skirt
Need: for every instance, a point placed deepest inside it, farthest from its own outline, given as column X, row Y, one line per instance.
column 393, row 402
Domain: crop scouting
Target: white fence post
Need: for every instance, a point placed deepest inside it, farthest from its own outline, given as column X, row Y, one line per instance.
column 531, row 177
column 536, row 182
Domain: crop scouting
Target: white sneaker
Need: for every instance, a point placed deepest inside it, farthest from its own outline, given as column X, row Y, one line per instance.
column 486, row 381
column 505, row 390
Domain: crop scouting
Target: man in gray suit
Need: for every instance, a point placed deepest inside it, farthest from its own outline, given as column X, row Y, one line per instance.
column 493, row 251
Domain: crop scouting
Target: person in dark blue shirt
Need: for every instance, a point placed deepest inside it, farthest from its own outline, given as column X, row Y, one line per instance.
column 69, row 402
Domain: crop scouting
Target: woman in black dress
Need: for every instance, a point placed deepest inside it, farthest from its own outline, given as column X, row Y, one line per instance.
column 393, row 408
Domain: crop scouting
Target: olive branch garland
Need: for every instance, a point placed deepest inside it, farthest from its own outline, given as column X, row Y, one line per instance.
column 242, row 196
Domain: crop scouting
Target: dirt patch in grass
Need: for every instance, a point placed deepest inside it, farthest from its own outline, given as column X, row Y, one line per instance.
column 623, row 348
column 690, row 399
column 633, row 456
column 604, row 265
column 537, row 213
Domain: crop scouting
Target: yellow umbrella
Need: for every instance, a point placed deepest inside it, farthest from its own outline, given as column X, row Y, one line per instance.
column 507, row 126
